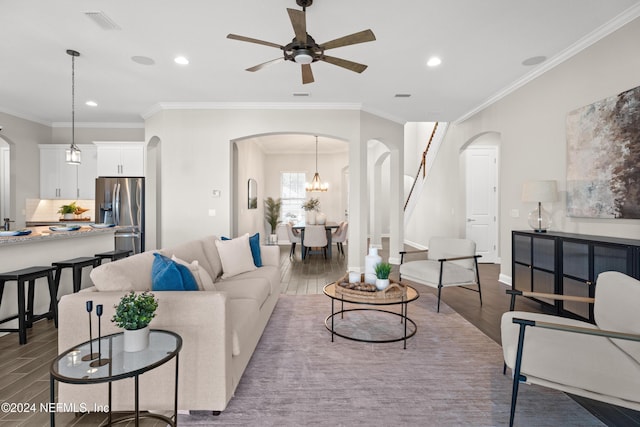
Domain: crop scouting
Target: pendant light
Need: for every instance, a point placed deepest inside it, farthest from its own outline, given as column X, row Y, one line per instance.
column 316, row 184
column 73, row 154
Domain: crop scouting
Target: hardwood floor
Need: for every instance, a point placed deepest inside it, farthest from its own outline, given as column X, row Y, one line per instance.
column 24, row 370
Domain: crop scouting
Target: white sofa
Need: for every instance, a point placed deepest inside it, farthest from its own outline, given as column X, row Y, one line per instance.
column 220, row 329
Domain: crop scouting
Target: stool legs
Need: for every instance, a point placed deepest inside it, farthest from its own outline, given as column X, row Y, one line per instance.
column 53, row 294
column 22, row 321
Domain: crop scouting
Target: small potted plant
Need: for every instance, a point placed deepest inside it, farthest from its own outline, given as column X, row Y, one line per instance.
column 133, row 314
column 68, row 211
column 271, row 215
column 311, row 206
column 383, row 270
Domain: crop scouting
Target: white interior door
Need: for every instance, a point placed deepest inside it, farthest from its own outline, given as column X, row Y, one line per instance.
column 481, row 200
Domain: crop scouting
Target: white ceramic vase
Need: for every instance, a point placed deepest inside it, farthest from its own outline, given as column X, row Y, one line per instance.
column 136, row 340
column 310, row 218
column 370, row 262
column 68, row 216
column 382, row 284
column 321, row 218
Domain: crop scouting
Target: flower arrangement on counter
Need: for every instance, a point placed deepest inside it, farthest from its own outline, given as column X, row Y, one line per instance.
column 311, row 205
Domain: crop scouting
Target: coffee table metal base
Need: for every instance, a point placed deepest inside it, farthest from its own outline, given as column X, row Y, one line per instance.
column 408, row 332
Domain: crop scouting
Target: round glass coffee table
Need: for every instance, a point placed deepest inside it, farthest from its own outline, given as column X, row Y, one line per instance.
column 370, row 303
column 115, row 364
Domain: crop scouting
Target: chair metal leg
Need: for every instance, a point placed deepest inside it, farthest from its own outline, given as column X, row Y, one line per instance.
column 516, row 374
column 439, row 291
column 478, row 280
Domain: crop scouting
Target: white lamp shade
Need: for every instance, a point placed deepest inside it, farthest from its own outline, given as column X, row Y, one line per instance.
column 539, row 191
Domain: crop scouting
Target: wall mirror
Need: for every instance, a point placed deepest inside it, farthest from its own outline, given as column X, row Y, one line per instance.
column 253, row 194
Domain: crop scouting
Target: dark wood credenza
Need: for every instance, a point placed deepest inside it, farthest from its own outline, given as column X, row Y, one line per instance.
column 568, row 264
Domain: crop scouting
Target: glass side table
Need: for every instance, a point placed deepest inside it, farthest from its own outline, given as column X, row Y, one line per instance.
column 115, row 364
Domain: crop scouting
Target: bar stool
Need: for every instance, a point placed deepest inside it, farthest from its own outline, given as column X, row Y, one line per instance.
column 77, row 264
column 114, row 255
column 26, row 317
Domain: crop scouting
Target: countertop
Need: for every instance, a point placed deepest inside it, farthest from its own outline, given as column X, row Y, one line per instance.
column 40, row 234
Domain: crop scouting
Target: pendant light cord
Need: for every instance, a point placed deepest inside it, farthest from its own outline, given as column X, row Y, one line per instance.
column 73, row 100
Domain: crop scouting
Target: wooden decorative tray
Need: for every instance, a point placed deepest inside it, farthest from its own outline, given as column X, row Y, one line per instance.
column 365, row 290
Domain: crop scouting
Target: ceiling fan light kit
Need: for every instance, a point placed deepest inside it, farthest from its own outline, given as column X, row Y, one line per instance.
column 304, row 50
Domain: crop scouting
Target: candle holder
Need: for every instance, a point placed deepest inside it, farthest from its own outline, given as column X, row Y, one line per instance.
column 91, row 354
column 100, row 361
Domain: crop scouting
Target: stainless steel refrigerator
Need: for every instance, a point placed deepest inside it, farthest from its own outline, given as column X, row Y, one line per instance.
column 120, row 201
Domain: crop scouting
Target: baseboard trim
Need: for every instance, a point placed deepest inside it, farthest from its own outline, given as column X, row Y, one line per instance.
column 505, row 280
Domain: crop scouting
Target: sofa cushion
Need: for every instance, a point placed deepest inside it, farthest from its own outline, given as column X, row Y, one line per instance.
column 254, row 243
column 168, row 275
column 272, row 274
column 211, row 252
column 203, row 279
column 235, row 256
column 257, row 288
column 128, row 274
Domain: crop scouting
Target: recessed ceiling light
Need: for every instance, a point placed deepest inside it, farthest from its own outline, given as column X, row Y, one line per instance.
column 181, row 60
column 434, row 61
column 534, row 60
column 91, row 103
column 143, row 60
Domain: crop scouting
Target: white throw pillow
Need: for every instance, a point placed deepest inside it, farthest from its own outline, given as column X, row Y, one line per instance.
column 203, row 279
column 235, row 256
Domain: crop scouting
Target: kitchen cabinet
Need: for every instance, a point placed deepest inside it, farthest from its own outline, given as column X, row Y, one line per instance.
column 59, row 180
column 120, row 158
column 569, row 264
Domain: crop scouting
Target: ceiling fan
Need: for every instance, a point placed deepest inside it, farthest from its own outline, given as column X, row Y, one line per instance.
column 304, row 50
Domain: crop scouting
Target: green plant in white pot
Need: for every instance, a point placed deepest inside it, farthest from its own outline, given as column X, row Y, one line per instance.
column 272, row 216
column 383, row 270
column 133, row 313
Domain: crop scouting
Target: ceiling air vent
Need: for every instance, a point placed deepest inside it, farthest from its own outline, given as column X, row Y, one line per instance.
column 102, row 20
column 301, row 94
column 402, row 95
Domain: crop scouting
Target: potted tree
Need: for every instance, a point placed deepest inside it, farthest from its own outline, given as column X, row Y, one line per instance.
column 271, row 215
column 133, row 314
column 383, row 270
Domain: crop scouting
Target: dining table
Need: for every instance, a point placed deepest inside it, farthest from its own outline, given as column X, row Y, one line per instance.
column 329, row 226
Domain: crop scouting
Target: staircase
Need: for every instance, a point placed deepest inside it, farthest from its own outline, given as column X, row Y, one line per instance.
column 428, row 158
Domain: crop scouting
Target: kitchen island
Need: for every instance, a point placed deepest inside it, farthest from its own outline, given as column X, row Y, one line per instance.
column 41, row 248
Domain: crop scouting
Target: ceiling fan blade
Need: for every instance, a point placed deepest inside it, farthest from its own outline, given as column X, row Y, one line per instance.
column 349, row 65
column 355, row 38
column 299, row 23
column 250, row 40
column 264, row 64
column 307, row 74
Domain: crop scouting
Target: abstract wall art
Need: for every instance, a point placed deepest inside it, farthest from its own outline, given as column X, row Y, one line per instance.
column 603, row 158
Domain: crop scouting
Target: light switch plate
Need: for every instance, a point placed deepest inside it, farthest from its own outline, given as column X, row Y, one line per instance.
column 216, row 193
column 212, row 212
column 515, row 213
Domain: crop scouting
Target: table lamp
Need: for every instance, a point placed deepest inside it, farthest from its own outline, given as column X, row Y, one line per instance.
column 539, row 191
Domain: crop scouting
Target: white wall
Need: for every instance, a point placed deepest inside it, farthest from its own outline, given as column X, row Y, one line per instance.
column 530, row 123
column 251, row 164
column 197, row 158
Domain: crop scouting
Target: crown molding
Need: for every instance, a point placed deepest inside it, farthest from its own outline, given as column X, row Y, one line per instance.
column 249, row 106
column 99, row 125
column 586, row 41
column 24, row 116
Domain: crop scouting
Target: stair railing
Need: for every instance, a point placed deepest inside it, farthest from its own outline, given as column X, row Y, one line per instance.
column 423, row 165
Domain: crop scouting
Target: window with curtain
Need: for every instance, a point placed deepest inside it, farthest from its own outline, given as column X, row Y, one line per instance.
column 293, row 195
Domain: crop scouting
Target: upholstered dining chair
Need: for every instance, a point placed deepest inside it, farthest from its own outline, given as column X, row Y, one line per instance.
column 450, row 262
column 340, row 236
column 315, row 236
column 294, row 238
column 599, row 361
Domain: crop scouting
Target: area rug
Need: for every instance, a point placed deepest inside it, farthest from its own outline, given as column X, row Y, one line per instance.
column 449, row 375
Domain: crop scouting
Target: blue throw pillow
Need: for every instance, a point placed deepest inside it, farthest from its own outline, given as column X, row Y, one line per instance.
column 254, row 243
column 168, row 275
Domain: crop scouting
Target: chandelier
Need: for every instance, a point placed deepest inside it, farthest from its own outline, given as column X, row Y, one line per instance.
column 316, row 184
column 73, row 154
